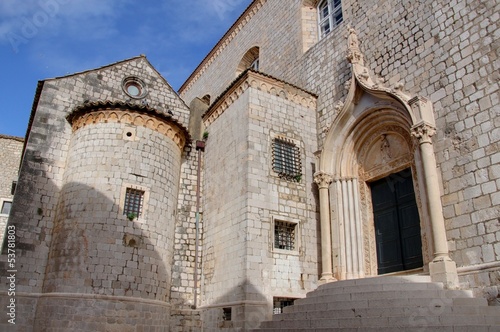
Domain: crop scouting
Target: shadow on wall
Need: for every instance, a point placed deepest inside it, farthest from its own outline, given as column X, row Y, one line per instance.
column 242, row 308
column 103, row 270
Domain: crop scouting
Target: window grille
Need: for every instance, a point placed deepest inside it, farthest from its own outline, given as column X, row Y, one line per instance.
column 284, row 235
column 134, row 199
column 330, row 15
column 286, row 159
column 280, row 302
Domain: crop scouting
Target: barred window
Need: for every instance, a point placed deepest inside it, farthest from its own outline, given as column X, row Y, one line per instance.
column 134, row 200
column 330, row 15
column 280, row 302
column 284, row 235
column 286, row 159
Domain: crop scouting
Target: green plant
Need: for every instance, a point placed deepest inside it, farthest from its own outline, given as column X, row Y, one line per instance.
column 298, row 177
column 205, row 135
column 131, row 216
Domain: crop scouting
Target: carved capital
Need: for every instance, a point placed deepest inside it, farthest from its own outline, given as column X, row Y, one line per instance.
column 423, row 132
column 323, row 179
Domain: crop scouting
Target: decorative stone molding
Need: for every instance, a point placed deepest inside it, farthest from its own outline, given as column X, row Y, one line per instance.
column 108, row 112
column 262, row 82
column 323, row 179
column 254, row 7
column 423, row 133
column 362, row 73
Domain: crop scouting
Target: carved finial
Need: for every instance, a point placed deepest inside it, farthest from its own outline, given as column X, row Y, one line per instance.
column 353, row 54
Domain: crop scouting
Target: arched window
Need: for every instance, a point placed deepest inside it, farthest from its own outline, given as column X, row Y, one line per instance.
column 206, row 99
column 249, row 60
column 329, row 15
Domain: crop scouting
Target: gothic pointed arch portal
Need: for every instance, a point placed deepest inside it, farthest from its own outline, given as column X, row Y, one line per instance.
column 377, row 133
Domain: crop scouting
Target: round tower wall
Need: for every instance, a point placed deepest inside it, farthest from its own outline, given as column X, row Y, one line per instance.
column 98, row 247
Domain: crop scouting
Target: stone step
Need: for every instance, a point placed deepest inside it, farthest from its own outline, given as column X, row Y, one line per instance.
column 392, row 303
column 385, row 303
column 389, row 312
column 429, row 328
column 387, row 294
column 341, row 288
column 380, row 280
column 385, row 322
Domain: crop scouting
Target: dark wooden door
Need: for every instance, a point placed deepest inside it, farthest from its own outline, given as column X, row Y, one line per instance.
column 397, row 223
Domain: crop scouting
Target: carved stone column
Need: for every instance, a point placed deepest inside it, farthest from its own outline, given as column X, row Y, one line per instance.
column 323, row 181
column 442, row 268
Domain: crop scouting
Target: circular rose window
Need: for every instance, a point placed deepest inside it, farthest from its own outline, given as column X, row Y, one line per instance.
column 134, row 87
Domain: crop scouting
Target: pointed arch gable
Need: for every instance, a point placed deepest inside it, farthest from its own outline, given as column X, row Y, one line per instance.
column 377, row 131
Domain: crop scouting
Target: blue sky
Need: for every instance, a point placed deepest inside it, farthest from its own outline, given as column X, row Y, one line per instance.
column 42, row 39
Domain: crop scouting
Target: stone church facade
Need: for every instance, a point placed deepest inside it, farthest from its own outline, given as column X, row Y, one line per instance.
column 318, row 141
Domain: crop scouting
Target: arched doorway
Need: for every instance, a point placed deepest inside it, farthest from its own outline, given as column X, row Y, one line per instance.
column 377, row 131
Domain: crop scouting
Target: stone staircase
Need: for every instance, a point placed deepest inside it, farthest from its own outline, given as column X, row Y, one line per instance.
column 390, row 303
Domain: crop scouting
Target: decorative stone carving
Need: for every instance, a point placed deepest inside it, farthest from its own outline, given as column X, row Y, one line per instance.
column 130, row 117
column 354, row 55
column 322, row 179
column 423, row 133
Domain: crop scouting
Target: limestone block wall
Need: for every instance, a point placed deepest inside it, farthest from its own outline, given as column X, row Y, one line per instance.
column 244, row 198
column 446, row 51
column 273, row 26
column 225, row 206
column 271, row 198
column 96, row 248
column 10, row 158
column 42, row 182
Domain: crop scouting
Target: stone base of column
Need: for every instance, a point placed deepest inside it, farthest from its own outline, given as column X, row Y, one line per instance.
column 444, row 271
column 326, row 278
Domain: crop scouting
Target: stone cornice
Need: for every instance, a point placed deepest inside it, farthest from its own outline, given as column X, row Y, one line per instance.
column 251, row 10
column 262, row 82
column 137, row 115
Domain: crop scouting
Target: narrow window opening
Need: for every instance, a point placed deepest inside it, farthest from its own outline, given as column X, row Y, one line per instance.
column 281, row 302
column 134, row 200
column 6, row 205
column 13, row 187
column 226, row 314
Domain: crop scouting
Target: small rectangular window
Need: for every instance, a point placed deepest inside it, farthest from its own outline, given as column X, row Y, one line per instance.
column 13, row 187
column 134, row 199
column 6, row 205
column 281, row 302
column 226, row 314
column 286, row 159
column 284, row 235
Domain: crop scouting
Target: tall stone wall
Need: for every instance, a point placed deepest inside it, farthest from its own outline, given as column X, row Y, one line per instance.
column 48, row 192
column 446, row 51
column 10, row 158
column 245, row 198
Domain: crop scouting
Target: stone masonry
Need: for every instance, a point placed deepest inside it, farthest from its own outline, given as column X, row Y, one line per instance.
column 10, row 157
column 139, row 208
